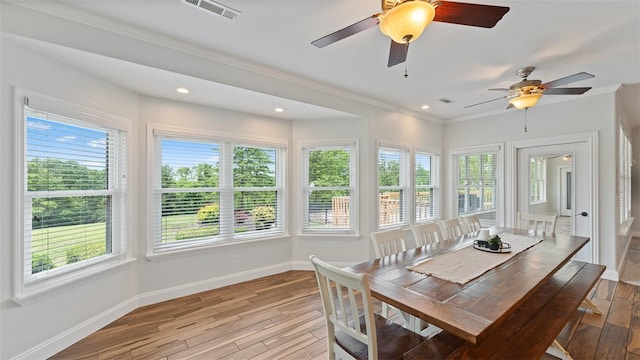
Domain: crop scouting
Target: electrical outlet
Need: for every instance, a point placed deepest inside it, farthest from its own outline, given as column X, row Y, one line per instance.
column 235, row 259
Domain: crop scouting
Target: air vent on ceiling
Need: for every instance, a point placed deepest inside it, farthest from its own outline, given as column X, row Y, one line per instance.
column 214, row 7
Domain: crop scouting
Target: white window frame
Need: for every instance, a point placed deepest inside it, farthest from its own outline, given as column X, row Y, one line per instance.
column 155, row 250
column 435, row 178
column 30, row 287
column 497, row 149
column 405, row 185
column 306, row 187
column 539, row 176
column 624, row 174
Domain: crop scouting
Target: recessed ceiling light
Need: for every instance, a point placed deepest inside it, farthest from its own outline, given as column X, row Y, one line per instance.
column 182, row 90
column 424, row 107
column 278, row 109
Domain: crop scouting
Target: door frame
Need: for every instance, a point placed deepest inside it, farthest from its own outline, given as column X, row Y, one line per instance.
column 511, row 179
column 563, row 184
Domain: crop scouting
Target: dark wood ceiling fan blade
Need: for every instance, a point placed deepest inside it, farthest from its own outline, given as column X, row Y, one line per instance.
column 486, row 16
column 567, row 91
column 346, row 32
column 567, row 80
column 484, row 102
column 397, row 53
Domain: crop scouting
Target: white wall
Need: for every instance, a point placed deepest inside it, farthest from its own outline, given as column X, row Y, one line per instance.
column 192, row 271
column 406, row 131
column 552, row 183
column 40, row 328
column 395, row 128
column 622, row 119
column 335, row 249
column 25, row 327
column 44, row 326
column 635, row 180
column 585, row 113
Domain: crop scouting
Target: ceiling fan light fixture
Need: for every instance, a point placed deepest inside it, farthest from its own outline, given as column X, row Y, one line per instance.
column 406, row 22
column 525, row 101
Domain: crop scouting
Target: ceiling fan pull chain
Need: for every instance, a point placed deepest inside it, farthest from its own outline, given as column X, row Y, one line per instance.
column 525, row 119
column 406, row 75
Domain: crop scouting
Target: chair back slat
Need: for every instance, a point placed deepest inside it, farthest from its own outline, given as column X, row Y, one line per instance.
column 471, row 223
column 425, row 234
column 345, row 297
column 388, row 242
column 353, row 330
column 451, row 228
column 538, row 223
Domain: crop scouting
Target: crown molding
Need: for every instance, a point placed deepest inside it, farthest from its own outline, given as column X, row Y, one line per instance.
column 135, row 33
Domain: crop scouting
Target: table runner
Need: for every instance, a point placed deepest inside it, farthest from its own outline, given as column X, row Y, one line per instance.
column 463, row 265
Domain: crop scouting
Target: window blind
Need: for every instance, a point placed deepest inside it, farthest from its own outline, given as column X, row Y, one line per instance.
column 213, row 191
column 476, row 183
column 189, row 193
column 393, row 186
column 74, row 198
column 329, row 188
column 256, row 199
column 537, row 179
column 624, row 175
column 427, row 189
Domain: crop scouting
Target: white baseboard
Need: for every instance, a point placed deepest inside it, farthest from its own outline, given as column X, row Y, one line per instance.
column 611, row 275
column 79, row 332
column 306, row 265
column 210, row 284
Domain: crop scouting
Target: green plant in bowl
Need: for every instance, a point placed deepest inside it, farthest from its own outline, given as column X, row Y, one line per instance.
column 494, row 242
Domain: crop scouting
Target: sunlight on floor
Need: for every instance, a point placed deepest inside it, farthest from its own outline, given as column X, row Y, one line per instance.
column 631, row 269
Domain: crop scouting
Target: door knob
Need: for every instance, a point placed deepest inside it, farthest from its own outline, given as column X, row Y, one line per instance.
column 584, row 213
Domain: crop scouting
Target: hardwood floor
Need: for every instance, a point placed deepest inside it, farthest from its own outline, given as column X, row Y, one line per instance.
column 631, row 269
column 280, row 317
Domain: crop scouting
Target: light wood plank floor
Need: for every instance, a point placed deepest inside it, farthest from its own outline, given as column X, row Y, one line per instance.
column 631, row 269
column 280, row 317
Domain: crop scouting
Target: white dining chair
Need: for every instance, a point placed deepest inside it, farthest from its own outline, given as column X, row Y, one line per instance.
column 451, row 228
column 388, row 242
column 537, row 223
column 471, row 223
column 425, row 234
column 546, row 224
column 385, row 243
column 353, row 329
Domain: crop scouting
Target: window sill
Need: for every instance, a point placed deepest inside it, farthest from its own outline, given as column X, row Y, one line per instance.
column 329, row 235
column 39, row 291
column 538, row 202
column 187, row 251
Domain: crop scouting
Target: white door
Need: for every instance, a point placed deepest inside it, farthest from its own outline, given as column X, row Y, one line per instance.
column 579, row 188
column 565, row 201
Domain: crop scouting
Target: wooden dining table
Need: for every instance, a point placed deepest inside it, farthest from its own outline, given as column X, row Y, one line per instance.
column 476, row 309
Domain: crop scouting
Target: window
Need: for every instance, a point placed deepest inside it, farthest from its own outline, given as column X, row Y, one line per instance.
column 209, row 190
column 537, row 180
column 427, row 190
column 329, row 188
column 477, row 182
column 624, row 175
column 393, row 186
column 73, row 192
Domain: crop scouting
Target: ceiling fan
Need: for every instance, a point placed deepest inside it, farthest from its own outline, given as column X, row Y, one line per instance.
column 404, row 20
column 526, row 93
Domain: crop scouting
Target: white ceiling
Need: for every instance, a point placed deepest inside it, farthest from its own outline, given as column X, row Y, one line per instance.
column 460, row 63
